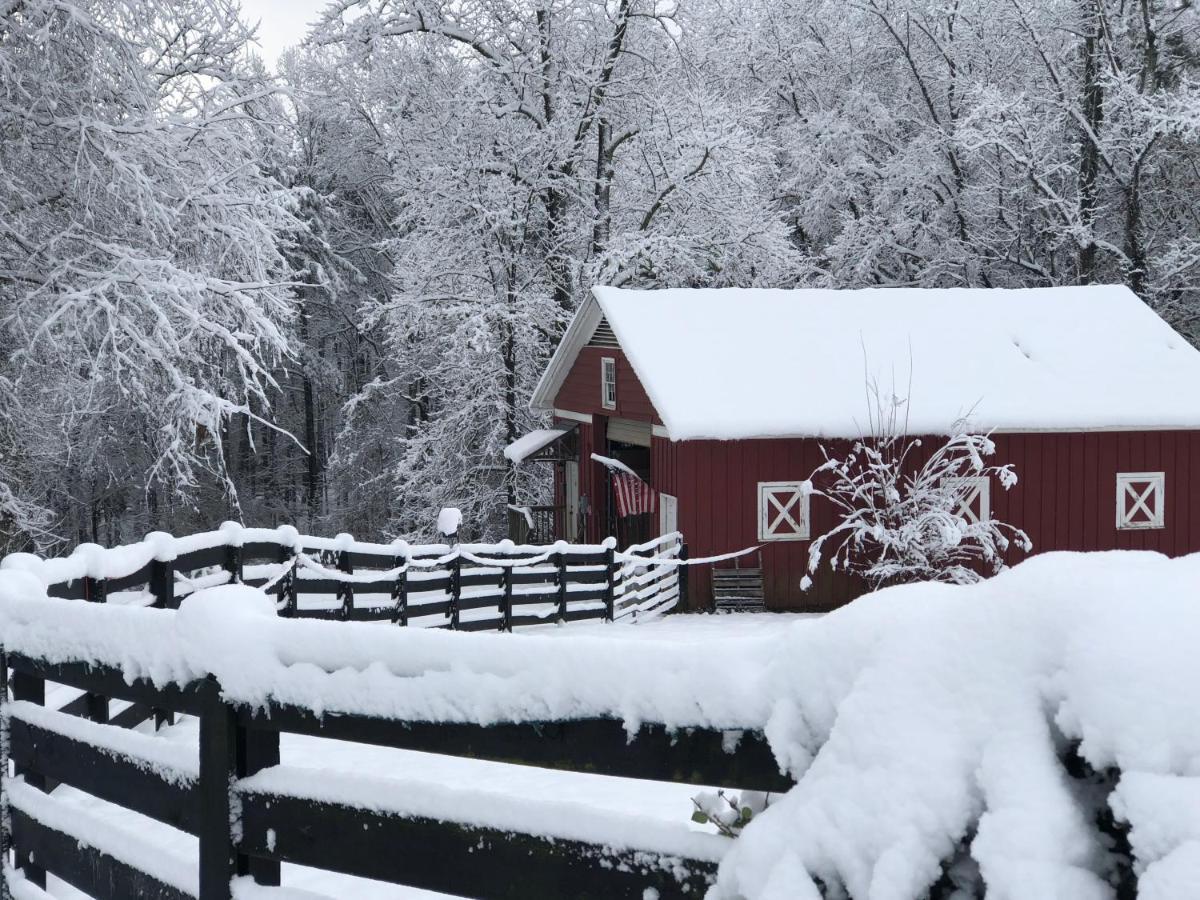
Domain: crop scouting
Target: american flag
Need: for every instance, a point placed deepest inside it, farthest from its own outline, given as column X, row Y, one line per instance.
column 633, row 495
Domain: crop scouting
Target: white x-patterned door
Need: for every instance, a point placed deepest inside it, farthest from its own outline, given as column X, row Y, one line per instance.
column 1140, row 502
column 783, row 511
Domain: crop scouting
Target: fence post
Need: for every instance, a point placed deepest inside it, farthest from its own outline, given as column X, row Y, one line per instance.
column 95, row 590
column 218, row 762
column 32, row 689
column 562, row 585
column 162, row 583
column 400, row 592
column 345, row 588
column 228, row 751
column 455, row 589
column 233, row 563
column 288, row 556
column 506, row 586
column 684, row 594
column 610, row 577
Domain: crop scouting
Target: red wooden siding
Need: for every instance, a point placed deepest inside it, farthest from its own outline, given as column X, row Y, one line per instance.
column 1065, row 499
column 580, row 391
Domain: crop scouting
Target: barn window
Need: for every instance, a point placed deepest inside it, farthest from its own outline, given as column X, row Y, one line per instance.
column 783, row 510
column 608, row 383
column 1140, row 499
column 974, row 501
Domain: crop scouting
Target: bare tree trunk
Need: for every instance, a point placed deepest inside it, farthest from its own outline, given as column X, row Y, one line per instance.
column 1089, row 161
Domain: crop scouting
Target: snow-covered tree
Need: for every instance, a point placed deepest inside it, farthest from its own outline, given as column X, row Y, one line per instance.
column 904, row 512
column 141, row 283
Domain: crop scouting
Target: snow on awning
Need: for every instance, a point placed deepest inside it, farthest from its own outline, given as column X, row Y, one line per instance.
column 524, row 447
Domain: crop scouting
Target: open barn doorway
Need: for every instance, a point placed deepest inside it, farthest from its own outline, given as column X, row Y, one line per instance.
column 628, row 442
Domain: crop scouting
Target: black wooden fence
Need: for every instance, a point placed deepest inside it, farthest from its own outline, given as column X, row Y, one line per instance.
column 245, row 829
column 461, row 587
column 270, row 827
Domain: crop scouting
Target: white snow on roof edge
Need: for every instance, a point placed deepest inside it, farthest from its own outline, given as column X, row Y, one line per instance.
column 527, row 445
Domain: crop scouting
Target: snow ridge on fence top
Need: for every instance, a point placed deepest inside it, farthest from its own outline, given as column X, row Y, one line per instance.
column 94, row 561
column 233, row 632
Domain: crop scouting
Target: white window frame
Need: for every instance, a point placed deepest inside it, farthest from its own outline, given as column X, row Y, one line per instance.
column 783, row 505
column 972, row 487
column 1147, row 490
column 608, row 382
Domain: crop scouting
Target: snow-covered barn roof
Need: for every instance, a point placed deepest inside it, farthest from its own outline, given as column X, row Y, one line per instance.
column 741, row 363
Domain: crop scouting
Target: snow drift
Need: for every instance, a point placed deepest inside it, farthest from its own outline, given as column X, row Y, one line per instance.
column 1035, row 733
column 928, row 724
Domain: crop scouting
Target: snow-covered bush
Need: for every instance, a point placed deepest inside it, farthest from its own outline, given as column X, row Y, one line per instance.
column 903, row 519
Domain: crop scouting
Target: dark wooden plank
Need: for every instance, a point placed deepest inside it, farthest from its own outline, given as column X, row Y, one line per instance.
column 135, row 714
column 132, row 580
column 490, row 600
column 476, row 578
column 107, row 774
column 457, row 859
column 200, row 559
column 67, row 590
column 362, row 559
column 110, row 682
column 492, row 624
column 254, row 552
column 600, row 746
column 86, row 868
column 520, row 577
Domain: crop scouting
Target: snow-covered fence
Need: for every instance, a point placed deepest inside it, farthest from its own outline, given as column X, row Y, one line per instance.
column 250, row 675
column 464, row 587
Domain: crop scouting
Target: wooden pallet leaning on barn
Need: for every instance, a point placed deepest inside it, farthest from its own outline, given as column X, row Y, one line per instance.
column 739, row 589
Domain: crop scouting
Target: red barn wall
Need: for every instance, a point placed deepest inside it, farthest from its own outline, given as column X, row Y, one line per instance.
column 1065, row 499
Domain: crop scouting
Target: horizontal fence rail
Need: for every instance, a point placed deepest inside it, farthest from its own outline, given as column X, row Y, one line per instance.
column 248, row 814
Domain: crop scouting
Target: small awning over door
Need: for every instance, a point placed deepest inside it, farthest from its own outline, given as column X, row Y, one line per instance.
column 542, row 445
column 627, row 431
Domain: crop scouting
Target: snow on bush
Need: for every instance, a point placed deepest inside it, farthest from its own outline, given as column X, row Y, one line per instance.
column 904, row 521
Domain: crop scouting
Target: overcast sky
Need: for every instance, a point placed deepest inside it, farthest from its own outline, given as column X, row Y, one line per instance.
column 282, row 23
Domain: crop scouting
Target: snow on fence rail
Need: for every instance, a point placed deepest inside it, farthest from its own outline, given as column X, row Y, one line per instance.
column 464, row 587
column 226, row 657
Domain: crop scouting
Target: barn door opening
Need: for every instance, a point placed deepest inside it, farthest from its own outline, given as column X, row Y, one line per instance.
column 628, row 442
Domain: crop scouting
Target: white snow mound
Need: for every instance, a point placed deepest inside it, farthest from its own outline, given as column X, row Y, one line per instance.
column 929, row 722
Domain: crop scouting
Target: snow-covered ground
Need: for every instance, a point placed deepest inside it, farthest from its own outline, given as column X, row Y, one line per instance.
column 925, row 724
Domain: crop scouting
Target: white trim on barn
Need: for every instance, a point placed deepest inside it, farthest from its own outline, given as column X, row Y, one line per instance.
column 783, row 510
column 608, row 382
column 1141, row 500
column 586, row 418
column 660, row 432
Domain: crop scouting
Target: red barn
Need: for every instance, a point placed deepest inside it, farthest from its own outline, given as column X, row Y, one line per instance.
column 721, row 400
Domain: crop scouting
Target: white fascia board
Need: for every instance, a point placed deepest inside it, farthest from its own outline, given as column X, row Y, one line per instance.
column 578, row 333
column 573, row 416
